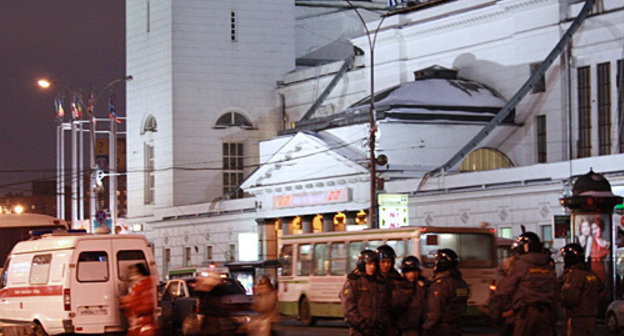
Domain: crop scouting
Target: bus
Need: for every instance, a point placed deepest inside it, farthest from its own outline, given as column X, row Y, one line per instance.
column 314, row 266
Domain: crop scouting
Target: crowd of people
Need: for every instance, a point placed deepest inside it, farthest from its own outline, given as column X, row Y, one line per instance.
column 377, row 300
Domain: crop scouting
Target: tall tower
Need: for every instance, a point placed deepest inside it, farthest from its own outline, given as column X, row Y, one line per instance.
column 203, row 95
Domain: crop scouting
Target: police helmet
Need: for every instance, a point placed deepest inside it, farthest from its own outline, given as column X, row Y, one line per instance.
column 386, row 252
column 529, row 242
column 409, row 264
column 366, row 257
column 444, row 260
column 572, row 254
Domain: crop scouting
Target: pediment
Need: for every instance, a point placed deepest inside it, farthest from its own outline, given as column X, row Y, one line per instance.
column 305, row 157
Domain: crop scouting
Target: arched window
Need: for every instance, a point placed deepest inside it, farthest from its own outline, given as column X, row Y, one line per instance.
column 149, row 125
column 231, row 119
column 485, row 159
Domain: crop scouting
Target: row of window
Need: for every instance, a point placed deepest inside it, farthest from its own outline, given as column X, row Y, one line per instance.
column 187, row 261
column 93, row 266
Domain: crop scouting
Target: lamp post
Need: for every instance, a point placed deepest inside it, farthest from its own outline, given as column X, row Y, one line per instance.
column 372, row 118
column 44, row 83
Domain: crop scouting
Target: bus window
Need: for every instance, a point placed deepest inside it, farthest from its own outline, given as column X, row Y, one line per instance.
column 475, row 250
column 399, row 248
column 373, row 244
column 286, row 259
column 321, row 263
column 338, row 258
column 304, row 259
column 355, row 247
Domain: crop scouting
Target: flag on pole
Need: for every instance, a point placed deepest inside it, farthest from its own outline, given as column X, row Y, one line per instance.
column 78, row 108
column 90, row 105
column 112, row 114
column 74, row 109
column 58, row 107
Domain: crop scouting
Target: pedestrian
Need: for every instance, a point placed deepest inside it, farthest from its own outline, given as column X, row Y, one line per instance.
column 531, row 287
column 580, row 292
column 390, row 277
column 364, row 298
column 447, row 296
column 139, row 303
column 216, row 319
column 409, row 298
column 265, row 303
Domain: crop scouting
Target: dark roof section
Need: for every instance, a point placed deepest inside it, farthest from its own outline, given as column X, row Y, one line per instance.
column 437, row 96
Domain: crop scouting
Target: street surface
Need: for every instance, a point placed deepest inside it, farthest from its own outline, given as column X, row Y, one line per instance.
column 339, row 328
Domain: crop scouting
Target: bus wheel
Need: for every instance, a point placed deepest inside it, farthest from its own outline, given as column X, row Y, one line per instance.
column 305, row 316
column 38, row 330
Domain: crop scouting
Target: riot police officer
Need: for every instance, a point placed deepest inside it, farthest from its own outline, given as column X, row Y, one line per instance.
column 409, row 297
column 364, row 298
column 447, row 297
column 387, row 258
column 531, row 287
column 580, row 291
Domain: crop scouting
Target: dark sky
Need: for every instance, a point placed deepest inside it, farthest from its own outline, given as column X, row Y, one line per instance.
column 80, row 43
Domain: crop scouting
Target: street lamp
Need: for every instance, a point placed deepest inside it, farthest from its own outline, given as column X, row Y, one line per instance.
column 372, row 118
column 44, row 83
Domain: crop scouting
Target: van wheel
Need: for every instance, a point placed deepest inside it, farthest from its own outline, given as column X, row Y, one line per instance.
column 38, row 330
column 612, row 324
column 305, row 316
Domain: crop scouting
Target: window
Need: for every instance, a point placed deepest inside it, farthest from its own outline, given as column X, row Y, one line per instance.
column 92, row 266
column 338, row 258
column 547, row 237
column 148, row 16
column 40, row 269
column 540, row 125
column 373, row 244
column 505, row 232
column 187, row 256
column 304, row 259
column 286, row 259
column 584, row 112
column 166, row 260
column 233, row 36
column 5, row 272
column 485, row 159
column 473, row 249
column 540, row 85
column 604, row 108
column 127, row 258
column 321, row 262
column 232, row 119
column 149, row 174
column 232, row 169
column 620, row 85
column 355, row 248
column 399, row 248
column 208, row 253
column 232, row 252
column 149, row 125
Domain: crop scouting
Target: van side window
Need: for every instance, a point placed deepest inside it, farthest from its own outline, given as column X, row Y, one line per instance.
column 40, row 269
column 5, row 273
column 92, row 266
column 127, row 258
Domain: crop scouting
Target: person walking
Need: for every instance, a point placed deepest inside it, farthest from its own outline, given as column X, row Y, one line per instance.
column 364, row 298
column 531, row 287
column 580, row 292
column 409, row 298
column 447, row 297
column 265, row 303
column 139, row 303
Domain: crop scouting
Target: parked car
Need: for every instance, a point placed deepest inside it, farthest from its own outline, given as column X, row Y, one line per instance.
column 180, row 301
column 615, row 316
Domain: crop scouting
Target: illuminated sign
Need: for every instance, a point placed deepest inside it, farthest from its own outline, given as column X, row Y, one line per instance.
column 311, row 198
column 392, row 210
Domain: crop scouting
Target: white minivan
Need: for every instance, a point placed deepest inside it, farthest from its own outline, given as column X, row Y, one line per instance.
column 65, row 282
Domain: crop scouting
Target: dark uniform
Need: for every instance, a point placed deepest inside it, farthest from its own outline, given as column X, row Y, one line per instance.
column 409, row 299
column 447, row 297
column 580, row 292
column 365, row 301
column 390, row 279
column 531, row 287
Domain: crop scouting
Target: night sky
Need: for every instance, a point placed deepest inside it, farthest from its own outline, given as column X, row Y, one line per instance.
column 80, row 43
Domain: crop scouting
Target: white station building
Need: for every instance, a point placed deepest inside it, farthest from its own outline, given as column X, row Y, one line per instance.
column 249, row 120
